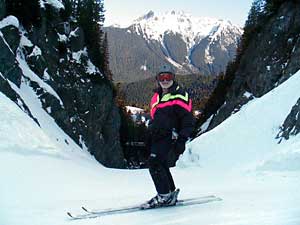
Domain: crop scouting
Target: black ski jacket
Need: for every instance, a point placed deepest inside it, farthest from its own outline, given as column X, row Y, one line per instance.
column 171, row 111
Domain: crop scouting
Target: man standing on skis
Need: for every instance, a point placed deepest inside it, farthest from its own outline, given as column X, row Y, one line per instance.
column 171, row 125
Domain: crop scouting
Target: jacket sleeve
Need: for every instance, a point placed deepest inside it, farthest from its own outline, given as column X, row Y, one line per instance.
column 186, row 119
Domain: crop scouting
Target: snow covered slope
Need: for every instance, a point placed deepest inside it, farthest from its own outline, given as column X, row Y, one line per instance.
column 248, row 137
column 40, row 181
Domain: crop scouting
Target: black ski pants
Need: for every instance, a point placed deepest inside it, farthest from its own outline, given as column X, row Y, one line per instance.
column 159, row 167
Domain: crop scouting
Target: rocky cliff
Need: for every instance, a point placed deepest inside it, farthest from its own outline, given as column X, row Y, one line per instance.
column 270, row 58
column 49, row 66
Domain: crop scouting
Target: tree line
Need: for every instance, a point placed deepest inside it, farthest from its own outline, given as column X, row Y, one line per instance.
column 88, row 14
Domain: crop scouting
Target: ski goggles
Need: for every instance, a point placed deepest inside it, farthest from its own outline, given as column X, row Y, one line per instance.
column 165, row 76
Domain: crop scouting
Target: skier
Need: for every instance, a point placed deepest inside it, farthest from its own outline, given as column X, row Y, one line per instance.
column 171, row 125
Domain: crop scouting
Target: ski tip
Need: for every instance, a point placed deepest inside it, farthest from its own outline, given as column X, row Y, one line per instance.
column 70, row 215
column 85, row 209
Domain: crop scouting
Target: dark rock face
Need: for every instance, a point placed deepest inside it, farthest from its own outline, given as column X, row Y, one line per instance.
column 271, row 57
column 8, row 65
column 214, row 60
column 2, row 9
column 291, row 125
column 10, row 73
column 84, row 105
column 198, row 58
column 175, row 47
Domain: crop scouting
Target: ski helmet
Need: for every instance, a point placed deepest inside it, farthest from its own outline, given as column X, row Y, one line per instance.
column 166, row 68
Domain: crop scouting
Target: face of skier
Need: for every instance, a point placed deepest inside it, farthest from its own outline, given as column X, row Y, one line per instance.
column 165, row 80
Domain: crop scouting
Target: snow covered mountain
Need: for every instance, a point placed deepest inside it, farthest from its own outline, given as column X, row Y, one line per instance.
column 190, row 44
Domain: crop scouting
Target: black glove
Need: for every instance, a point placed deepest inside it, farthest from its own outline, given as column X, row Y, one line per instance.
column 180, row 145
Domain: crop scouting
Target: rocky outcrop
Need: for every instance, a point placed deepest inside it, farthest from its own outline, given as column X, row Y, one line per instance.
column 291, row 125
column 271, row 57
column 69, row 87
column 175, row 47
column 10, row 73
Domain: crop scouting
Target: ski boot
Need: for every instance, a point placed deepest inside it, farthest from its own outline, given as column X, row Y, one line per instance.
column 161, row 200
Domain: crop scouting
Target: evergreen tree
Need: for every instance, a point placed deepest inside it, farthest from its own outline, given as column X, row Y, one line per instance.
column 252, row 26
column 28, row 12
column 255, row 13
column 91, row 18
column 273, row 5
column 66, row 13
column 106, row 68
column 126, row 121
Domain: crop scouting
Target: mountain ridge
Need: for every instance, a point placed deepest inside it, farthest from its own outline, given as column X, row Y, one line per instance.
column 189, row 44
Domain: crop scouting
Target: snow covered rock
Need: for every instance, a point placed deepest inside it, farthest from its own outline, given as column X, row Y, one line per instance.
column 38, row 72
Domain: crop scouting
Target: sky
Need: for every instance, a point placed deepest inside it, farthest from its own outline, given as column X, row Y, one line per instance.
column 125, row 11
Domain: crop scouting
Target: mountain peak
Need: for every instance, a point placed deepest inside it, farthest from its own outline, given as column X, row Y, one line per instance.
column 146, row 16
column 191, row 28
column 152, row 15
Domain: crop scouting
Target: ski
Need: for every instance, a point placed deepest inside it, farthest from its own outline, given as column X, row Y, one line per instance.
column 90, row 214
